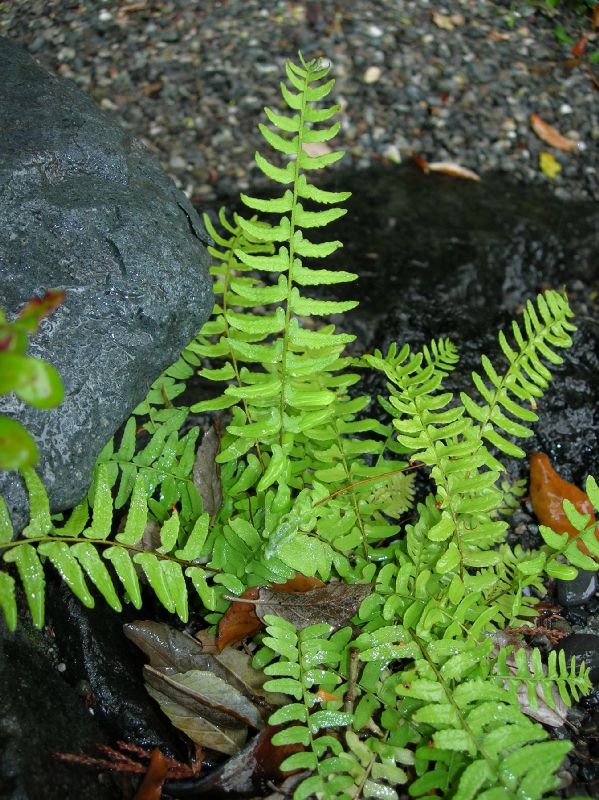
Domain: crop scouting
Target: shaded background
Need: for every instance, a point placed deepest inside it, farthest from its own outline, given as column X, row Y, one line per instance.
column 454, row 80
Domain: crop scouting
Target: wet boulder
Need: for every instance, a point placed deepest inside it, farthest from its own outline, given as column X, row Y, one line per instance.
column 86, row 209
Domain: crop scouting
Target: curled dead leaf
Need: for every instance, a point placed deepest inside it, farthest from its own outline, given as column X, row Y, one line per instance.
column 171, row 651
column 454, row 170
column 206, row 472
column 552, row 136
column 554, row 712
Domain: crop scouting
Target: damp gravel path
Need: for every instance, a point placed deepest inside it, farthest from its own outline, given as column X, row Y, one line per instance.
column 455, row 80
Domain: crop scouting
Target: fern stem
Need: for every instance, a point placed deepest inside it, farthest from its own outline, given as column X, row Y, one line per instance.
column 371, row 479
column 296, row 174
column 233, row 360
column 464, row 723
column 102, row 543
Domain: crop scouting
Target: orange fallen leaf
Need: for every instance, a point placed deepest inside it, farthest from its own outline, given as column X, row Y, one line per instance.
column 455, row 170
column 151, row 786
column 547, row 494
column 238, row 621
column 595, row 19
column 579, row 47
column 326, row 697
column 552, row 136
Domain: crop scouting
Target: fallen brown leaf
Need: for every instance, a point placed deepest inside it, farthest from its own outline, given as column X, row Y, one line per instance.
column 334, row 604
column 171, row 651
column 421, row 162
column 454, row 170
column 151, row 786
column 442, row 21
column 206, row 472
column 240, row 618
column 118, row 761
column 579, row 47
column 552, row 136
column 238, row 621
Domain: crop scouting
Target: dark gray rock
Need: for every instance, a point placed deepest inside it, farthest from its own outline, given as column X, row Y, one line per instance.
column 75, row 684
column 84, row 208
column 40, row 714
column 577, row 591
column 96, row 653
column 584, row 647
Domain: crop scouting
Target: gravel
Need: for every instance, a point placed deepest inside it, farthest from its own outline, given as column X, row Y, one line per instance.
column 454, row 81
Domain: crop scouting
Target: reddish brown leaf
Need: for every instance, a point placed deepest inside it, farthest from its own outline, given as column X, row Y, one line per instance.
column 551, row 136
column 238, row 621
column 420, row 162
column 299, row 584
column 151, row 786
column 35, row 310
column 117, row 761
column 578, row 49
column 547, row 494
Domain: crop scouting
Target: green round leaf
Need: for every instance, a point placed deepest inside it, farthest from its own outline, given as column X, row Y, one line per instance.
column 13, row 368
column 17, row 448
column 41, row 385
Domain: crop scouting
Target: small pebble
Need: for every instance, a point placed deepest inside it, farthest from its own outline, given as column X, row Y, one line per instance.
column 579, row 590
column 372, row 75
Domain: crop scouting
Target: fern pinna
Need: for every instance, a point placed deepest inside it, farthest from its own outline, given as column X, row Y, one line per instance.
column 427, row 691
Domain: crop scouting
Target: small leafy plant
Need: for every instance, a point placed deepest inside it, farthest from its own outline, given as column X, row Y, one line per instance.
column 31, row 379
column 427, row 689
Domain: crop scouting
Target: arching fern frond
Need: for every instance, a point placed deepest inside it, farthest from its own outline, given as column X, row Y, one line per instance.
column 86, row 549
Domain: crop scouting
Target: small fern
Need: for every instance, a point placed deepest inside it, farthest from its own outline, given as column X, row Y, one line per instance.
column 423, row 690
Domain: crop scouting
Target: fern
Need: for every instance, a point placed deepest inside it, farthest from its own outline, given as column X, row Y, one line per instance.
column 423, row 690
column 84, row 549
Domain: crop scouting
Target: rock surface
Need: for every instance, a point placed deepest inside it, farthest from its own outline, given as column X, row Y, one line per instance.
column 83, row 207
column 584, row 647
column 75, row 684
column 41, row 714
